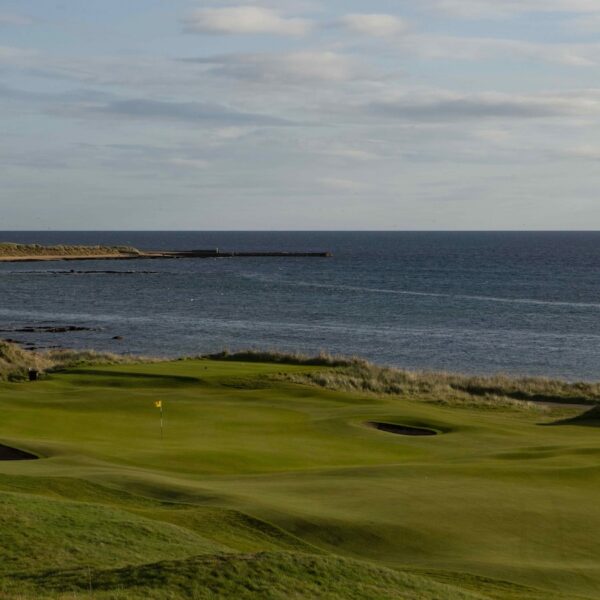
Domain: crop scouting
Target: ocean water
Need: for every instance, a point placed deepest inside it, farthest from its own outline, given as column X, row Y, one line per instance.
column 518, row 303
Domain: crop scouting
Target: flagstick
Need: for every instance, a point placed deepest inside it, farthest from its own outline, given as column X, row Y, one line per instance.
column 161, row 422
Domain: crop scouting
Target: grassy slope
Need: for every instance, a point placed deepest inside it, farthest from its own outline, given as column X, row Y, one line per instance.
column 287, row 475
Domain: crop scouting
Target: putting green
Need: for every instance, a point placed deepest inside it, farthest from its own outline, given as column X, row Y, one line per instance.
column 259, row 487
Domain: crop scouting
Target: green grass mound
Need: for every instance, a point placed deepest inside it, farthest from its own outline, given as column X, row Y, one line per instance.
column 75, row 490
column 38, row 533
column 268, row 576
column 231, row 528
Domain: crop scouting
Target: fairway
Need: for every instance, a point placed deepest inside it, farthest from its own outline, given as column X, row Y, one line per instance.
column 264, row 488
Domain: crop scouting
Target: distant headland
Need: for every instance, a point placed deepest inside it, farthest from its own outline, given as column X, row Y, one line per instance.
column 10, row 252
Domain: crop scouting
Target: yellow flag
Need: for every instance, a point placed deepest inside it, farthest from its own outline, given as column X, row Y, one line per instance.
column 158, row 404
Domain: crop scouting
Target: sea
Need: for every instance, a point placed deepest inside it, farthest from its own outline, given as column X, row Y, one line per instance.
column 520, row 303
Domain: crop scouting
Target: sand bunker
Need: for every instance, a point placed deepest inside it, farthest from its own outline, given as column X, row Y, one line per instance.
column 401, row 429
column 8, row 453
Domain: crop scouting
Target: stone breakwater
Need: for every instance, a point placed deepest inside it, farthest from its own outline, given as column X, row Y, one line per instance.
column 164, row 254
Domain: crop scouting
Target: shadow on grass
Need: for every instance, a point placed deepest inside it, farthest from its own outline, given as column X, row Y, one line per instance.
column 590, row 418
column 402, row 429
column 123, row 378
column 8, row 453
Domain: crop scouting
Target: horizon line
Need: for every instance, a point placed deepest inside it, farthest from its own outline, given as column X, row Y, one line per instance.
column 8, row 231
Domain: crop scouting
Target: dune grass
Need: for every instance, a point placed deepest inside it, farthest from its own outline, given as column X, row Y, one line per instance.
column 267, row 488
column 358, row 375
column 322, row 359
column 444, row 387
column 15, row 361
column 8, row 249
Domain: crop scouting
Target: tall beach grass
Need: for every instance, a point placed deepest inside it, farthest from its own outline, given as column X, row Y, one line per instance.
column 15, row 362
column 358, row 375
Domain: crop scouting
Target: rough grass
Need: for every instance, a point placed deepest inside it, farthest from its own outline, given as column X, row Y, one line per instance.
column 264, row 576
column 8, row 249
column 38, row 533
column 65, row 358
column 15, row 362
column 322, row 359
column 355, row 375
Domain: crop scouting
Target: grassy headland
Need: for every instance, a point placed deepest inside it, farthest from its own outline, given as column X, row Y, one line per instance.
column 11, row 251
column 268, row 484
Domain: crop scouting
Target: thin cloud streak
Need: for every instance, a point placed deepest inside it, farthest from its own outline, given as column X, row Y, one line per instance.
column 189, row 112
column 452, row 107
column 293, row 67
column 501, row 9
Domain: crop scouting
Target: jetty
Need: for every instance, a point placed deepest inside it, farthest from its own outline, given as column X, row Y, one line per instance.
column 232, row 254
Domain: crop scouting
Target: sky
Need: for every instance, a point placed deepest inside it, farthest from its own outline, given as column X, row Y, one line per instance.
column 299, row 115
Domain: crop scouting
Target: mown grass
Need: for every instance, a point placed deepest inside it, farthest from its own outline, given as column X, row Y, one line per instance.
column 266, row 488
column 8, row 249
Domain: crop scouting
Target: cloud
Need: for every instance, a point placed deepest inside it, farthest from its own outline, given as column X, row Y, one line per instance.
column 290, row 68
column 192, row 112
column 585, row 151
column 445, row 106
column 341, row 184
column 189, row 163
column 477, row 48
column 11, row 55
column 70, row 97
column 498, row 137
column 244, row 20
column 589, row 24
column 14, row 19
column 494, row 9
column 376, row 25
column 348, row 153
column 8, row 93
